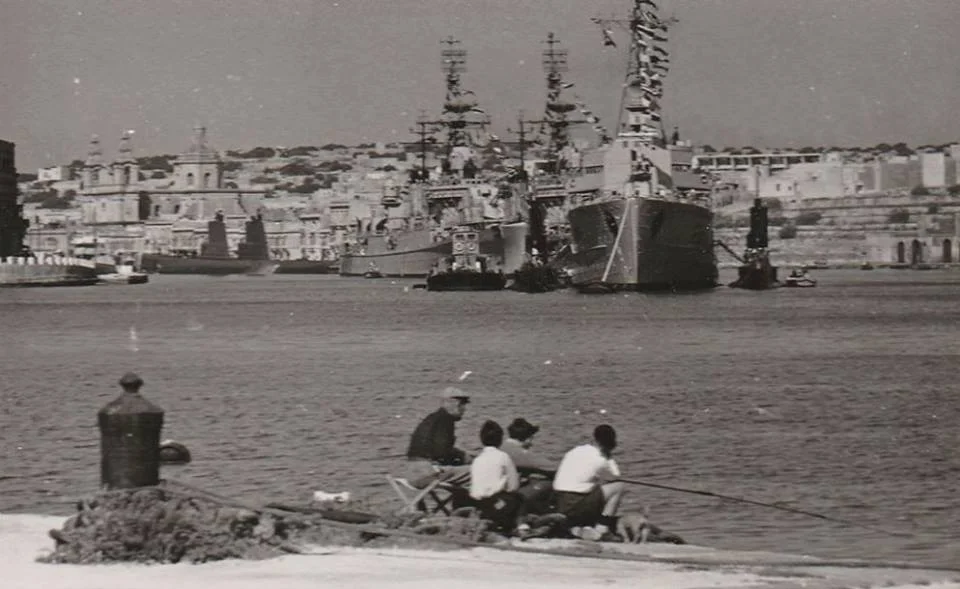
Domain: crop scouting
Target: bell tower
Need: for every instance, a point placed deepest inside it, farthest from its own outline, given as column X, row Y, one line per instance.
column 126, row 171
column 198, row 168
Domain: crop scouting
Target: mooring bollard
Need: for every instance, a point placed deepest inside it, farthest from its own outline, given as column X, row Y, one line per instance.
column 130, row 438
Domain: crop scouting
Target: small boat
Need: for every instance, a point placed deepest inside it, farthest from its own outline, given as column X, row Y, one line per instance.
column 799, row 279
column 373, row 272
column 866, row 266
column 126, row 274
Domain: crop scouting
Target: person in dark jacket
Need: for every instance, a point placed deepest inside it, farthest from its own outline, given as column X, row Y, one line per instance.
column 432, row 452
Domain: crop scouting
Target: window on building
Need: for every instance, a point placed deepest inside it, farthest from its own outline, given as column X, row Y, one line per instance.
column 206, row 180
column 190, row 179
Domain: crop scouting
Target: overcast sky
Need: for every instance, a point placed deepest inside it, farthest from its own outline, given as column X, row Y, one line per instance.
column 308, row 72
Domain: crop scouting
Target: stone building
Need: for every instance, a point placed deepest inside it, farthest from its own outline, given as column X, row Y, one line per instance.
column 130, row 214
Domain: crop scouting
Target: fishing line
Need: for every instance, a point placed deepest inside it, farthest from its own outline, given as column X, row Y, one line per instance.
column 770, row 505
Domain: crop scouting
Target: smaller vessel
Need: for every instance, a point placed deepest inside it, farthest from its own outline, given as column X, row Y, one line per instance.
column 756, row 272
column 467, row 269
column 373, row 272
column 126, row 273
column 799, row 279
column 866, row 266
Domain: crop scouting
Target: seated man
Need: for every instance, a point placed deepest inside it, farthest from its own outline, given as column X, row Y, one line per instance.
column 587, row 491
column 432, row 453
column 535, row 471
column 494, row 480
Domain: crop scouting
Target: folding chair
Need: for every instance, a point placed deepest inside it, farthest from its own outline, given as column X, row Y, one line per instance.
column 415, row 499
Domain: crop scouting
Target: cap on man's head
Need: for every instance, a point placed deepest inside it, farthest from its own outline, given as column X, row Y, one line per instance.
column 606, row 436
column 521, row 429
column 455, row 393
column 131, row 380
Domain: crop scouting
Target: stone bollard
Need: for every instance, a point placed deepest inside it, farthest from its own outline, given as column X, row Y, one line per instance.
column 130, row 438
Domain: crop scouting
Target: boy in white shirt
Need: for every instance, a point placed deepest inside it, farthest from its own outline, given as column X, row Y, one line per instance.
column 494, row 480
column 587, row 490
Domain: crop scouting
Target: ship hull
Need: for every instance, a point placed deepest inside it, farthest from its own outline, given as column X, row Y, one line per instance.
column 642, row 244
column 305, row 267
column 164, row 264
column 416, row 260
column 466, row 281
column 24, row 272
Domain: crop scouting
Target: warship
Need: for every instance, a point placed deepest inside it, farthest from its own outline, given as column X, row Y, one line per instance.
column 554, row 178
column 650, row 227
column 214, row 257
column 417, row 227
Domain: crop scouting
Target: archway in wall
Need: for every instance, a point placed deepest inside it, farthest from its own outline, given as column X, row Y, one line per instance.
column 947, row 251
column 916, row 252
column 901, row 253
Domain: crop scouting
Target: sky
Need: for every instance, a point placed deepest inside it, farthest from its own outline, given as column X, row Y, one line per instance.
column 774, row 73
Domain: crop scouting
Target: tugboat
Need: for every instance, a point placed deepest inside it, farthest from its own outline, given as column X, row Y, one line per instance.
column 756, row 272
column 468, row 269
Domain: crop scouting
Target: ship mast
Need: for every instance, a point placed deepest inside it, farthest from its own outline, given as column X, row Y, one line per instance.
column 537, row 238
column 425, row 130
column 648, row 64
column 557, row 110
column 459, row 104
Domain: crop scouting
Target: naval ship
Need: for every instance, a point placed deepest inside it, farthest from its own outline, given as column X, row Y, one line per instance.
column 415, row 233
column 650, row 226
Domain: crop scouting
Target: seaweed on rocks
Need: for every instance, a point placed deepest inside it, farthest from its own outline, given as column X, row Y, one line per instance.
column 155, row 525
column 160, row 525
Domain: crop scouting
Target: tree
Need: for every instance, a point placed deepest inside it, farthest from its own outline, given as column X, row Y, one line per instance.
column 954, row 190
column 902, row 149
column 919, row 190
column 708, row 149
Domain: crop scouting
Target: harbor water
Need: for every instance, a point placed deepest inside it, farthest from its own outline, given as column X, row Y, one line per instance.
column 840, row 399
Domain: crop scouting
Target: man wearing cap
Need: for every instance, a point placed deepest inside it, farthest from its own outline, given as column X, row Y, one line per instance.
column 432, row 452
column 587, row 489
column 535, row 471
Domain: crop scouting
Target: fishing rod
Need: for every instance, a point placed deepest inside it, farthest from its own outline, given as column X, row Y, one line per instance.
column 762, row 504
